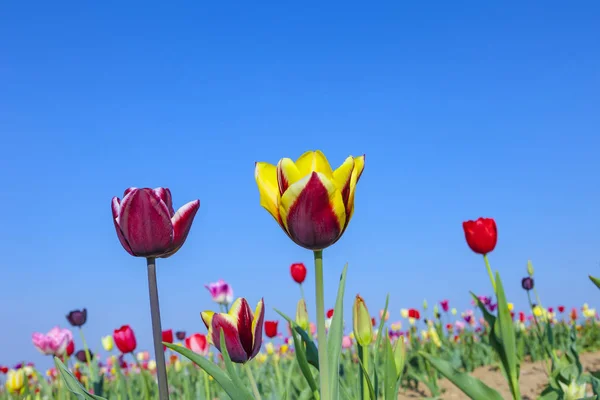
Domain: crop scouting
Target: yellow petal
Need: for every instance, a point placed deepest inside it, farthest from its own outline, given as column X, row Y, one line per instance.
column 314, row 161
column 235, row 309
column 342, row 177
column 266, row 179
column 313, row 212
column 359, row 166
column 287, row 174
column 207, row 317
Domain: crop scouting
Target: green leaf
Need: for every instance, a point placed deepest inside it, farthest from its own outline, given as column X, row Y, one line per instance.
column 312, row 353
column 334, row 342
column 390, row 377
column 365, row 375
column 213, row 370
column 470, row 386
column 231, row 369
column 507, row 335
column 73, row 384
column 596, row 281
column 378, row 342
column 301, row 354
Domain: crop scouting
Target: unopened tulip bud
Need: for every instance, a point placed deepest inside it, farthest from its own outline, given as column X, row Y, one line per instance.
column 425, row 305
column 530, row 268
column 363, row 329
column 302, row 315
column 108, row 343
column 400, row 356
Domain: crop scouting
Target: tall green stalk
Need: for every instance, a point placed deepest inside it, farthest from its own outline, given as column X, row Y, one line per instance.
column 88, row 358
column 321, row 333
column 490, row 273
column 365, row 361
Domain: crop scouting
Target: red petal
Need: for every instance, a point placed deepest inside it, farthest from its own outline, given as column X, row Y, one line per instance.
column 244, row 326
column 232, row 340
column 258, row 329
column 145, row 223
column 182, row 222
column 115, row 205
column 165, row 196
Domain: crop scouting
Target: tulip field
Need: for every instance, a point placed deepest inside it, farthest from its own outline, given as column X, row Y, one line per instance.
column 387, row 353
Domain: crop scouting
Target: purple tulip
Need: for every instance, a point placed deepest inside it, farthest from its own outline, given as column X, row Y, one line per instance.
column 220, row 291
column 180, row 335
column 147, row 224
column 80, row 355
column 527, row 283
column 77, row 318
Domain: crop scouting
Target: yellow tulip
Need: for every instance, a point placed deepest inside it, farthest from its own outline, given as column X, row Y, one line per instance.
column 454, row 311
column 404, row 313
column 537, row 311
column 270, row 348
column 435, row 338
column 15, row 380
column 311, row 202
column 284, row 348
column 510, row 306
column 108, row 343
column 151, row 365
column 261, row 358
column 396, row 326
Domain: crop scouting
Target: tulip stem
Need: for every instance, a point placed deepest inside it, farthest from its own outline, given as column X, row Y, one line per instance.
column 206, row 385
column 252, row 381
column 88, row 358
column 163, row 389
column 321, row 333
column 302, row 292
column 490, row 273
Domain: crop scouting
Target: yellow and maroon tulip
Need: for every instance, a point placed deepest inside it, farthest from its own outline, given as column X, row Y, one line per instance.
column 241, row 328
column 311, row 202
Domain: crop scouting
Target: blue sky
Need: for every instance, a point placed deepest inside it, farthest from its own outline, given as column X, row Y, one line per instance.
column 463, row 111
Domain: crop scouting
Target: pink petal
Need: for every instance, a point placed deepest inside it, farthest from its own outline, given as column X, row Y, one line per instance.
column 145, row 223
column 165, row 195
column 258, row 329
column 115, row 205
column 232, row 340
column 182, row 222
column 128, row 190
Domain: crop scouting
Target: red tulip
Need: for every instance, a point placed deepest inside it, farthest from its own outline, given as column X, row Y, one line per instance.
column 561, row 309
column 271, row 329
column 167, row 336
column 413, row 313
column 197, row 343
column 147, row 224
column 481, row 235
column 445, row 305
column 373, row 321
column 4, row 369
column 574, row 314
column 550, row 309
column 521, row 316
column 125, row 339
column 298, row 271
column 70, row 348
column 330, row 313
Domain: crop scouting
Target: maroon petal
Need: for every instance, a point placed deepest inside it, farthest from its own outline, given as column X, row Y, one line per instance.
column 145, row 223
column 232, row 341
column 182, row 222
column 244, row 326
column 165, row 195
column 115, row 205
column 258, row 328
column 128, row 190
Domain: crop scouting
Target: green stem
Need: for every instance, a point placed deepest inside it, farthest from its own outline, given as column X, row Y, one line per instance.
column 302, row 292
column 252, row 381
column 206, row 385
column 365, row 361
column 144, row 379
column 279, row 378
column 490, row 273
column 88, row 358
column 321, row 333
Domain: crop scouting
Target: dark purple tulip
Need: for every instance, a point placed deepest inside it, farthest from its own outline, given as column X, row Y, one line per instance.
column 18, row 366
column 180, row 335
column 80, row 355
column 77, row 318
column 527, row 283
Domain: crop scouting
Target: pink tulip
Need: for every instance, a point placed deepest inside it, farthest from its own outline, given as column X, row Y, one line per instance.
column 220, row 291
column 313, row 328
column 54, row 342
column 445, row 305
column 381, row 316
column 346, row 342
column 147, row 224
column 198, row 343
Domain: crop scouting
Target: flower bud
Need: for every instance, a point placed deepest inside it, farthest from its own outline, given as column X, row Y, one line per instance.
column 530, row 269
column 302, row 315
column 400, row 356
column 363, row 329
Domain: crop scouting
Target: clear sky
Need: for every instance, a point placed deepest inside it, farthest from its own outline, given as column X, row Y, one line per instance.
column 463, row 110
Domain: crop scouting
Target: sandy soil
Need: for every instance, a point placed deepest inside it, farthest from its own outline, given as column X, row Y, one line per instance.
column 533, row 380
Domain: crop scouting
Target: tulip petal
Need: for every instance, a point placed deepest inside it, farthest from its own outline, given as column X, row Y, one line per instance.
column 165, row 195
column 242, row 314
column 145, row 222
column 257, row 327
column 313, row 212
column 234, row 347
column 343, row 176
column 314, row 161
column 182, row 222
column 359, row 166
column 287, row 174
column 115, row 206
column 207, row 317
column 266, row 179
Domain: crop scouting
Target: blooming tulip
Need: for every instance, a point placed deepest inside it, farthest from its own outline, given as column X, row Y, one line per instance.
column 4, row 369
column 70, row 348
column 180, row 335
column 527, row 283
column 241, row 328
column 346, row 342
column 15, row 380
column 54, row 342
column 108, row 343
column 481, row 235
column 197, row 343
column 445, row 305
column 312, row 203
column 363, row 328
column 271, row 329
column 330, row 313
column 220, row 291
column 148, row 226
column 167, row 336
column 80, row 355
column 561, row 309
column 298, row 272
column 125, row 339
column 77, row 318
